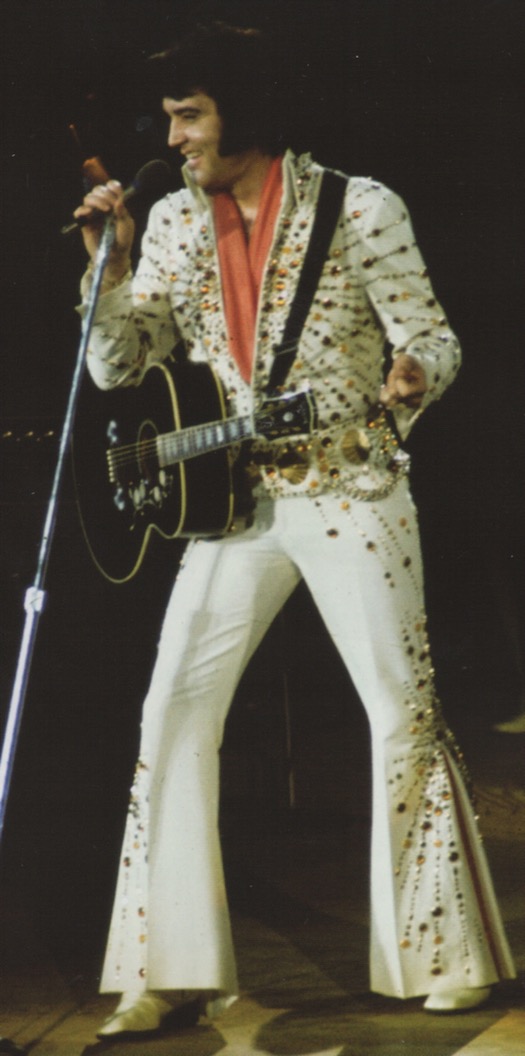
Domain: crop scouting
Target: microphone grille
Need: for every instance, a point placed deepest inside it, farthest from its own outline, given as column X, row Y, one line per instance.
column 153, row 178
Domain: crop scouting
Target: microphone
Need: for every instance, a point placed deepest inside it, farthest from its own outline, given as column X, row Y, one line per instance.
column 152, row 180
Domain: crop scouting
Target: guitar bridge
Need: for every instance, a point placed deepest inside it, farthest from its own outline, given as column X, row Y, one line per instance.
column 112, row 472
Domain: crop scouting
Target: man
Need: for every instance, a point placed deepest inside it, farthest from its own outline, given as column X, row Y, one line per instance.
column 220, row 264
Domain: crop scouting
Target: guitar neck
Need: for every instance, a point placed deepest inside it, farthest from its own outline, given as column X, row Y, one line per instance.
column 197, row 440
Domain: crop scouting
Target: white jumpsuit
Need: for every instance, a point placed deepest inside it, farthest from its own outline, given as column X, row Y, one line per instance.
column 351, row 531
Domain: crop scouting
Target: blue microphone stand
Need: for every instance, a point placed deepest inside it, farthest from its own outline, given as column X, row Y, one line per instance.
column 35, row 595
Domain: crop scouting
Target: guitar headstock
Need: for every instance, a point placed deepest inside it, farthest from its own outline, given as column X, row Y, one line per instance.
column 287, row 414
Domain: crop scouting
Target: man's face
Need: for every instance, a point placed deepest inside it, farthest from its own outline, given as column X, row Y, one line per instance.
column 196, row 130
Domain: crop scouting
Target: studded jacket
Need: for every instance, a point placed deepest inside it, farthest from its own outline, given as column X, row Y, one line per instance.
column 374, row 294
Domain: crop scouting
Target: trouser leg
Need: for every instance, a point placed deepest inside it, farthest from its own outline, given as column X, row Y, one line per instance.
column 435, row 922
column 170, row 926
column 434, row 919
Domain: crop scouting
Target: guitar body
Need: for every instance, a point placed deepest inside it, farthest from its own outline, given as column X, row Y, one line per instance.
column 124, row 495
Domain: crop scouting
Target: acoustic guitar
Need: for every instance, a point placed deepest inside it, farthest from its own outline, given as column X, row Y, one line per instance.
column 159, row 459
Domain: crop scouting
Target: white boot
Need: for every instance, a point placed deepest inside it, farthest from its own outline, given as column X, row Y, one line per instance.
column 515, row 725
column 457, row 1000
column 144, row 1013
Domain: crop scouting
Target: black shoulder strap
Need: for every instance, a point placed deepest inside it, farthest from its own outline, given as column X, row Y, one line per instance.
column 329, row 206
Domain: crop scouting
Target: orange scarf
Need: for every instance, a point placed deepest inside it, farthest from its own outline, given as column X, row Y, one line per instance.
column 242, row 263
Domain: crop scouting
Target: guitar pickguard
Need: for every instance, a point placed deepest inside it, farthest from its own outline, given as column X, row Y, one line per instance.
column 151, row 493
column 139, row 482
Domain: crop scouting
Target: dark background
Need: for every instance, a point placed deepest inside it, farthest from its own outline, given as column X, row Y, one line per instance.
column 425, row 95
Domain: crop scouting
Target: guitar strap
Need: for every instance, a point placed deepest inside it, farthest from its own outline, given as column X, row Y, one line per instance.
column 329, row 206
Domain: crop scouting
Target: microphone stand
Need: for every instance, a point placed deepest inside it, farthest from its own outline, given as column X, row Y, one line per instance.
column 35, row 595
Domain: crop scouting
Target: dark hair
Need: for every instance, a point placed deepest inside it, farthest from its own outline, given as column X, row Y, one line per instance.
column 236, row 68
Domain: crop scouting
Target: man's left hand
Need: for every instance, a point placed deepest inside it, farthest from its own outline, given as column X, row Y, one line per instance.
column 406, row 383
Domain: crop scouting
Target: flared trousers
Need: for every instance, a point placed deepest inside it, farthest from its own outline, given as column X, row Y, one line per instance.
column 435, row 924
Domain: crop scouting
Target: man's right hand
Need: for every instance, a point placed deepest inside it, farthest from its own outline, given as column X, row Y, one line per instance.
column 108, row 198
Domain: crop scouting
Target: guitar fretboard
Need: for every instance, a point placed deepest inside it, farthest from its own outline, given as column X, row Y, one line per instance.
column 201, row 439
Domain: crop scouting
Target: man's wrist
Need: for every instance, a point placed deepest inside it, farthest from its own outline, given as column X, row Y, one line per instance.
column 114, row 274
column 116, row 271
